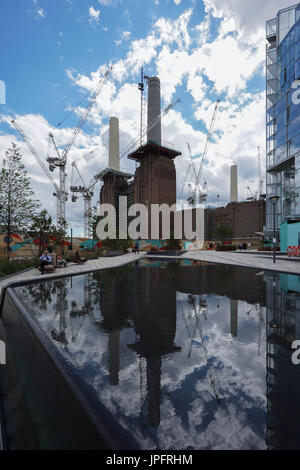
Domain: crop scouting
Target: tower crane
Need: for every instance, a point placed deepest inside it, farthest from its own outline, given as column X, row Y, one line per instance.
column 57, row 160
column 260, row 179
column 87, row 193
column 41, row 163
column 193, row 199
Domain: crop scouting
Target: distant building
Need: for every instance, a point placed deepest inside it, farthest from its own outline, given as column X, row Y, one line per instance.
column 282, row 116
column 246, row 219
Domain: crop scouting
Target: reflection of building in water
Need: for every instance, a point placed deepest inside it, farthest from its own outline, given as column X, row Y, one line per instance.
column 234, row 317
column 115, row 310
column 283, row 381
column 225, row 281
column 154, row 316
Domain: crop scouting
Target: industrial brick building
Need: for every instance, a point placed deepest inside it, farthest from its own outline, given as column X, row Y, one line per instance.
column 246, row 219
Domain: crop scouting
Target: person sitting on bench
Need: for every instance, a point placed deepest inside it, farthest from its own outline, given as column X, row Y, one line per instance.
column 78, row 257
column 45, row 259
column 61, row 262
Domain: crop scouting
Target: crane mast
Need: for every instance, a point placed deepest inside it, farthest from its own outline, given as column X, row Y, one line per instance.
column 205, row 151
column 56, row 160
column 260, row 180
column 57, row 188
column 87, row 193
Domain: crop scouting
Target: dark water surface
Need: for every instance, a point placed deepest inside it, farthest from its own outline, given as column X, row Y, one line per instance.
column 182, row 354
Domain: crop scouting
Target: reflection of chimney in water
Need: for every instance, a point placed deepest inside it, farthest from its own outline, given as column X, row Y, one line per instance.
column 114, row 356
column 154, row 132
column 153, row 384
column 234, row 317
column 114, row 144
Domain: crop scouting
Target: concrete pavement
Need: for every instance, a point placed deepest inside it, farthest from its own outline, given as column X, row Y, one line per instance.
column 91, row 265
column 248, row 260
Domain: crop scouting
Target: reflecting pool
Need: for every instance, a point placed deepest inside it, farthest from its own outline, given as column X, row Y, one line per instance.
column 183, row 355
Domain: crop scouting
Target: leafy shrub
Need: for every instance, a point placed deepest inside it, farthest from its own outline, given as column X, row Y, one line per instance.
column 225, row 248
column 10, row 267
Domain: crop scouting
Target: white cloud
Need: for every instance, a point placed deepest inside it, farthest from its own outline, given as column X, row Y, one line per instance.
column 250, row 16
column 199, row 70
column 94, row 15
column 108, row 3
column 177, row 2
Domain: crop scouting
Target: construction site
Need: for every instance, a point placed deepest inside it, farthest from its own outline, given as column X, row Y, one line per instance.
column 154, row 179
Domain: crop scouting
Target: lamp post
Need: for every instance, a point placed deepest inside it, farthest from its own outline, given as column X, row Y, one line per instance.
column 273, row 200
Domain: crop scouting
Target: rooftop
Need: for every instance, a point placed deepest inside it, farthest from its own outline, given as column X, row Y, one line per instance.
column 155, row 147
column 103, row 173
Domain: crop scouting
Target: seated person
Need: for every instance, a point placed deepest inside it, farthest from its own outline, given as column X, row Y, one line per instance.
column 45, row 259
column 61, row 262
column 78, row 257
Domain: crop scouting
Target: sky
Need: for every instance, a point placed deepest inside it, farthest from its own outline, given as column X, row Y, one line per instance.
column 54, row 52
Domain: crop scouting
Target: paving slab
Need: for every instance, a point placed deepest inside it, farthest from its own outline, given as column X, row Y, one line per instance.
column 72, row 268
column 248, row 260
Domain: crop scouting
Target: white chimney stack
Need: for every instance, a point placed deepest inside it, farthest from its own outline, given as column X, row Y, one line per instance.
column 114, row 144
column 233, row 184
column 154, row 133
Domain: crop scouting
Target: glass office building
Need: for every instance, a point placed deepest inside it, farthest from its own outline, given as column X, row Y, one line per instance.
column 283, row 119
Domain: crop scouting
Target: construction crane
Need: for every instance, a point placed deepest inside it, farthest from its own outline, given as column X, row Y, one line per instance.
column 252, row 196
column 57, row 160
column 87, row 193
column 41, row 163
column 260, row 179
column 193, row 199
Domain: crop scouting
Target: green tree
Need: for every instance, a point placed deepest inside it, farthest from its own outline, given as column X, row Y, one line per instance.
column 16, row 204
column 60, row 233
column 42, row 226
column 223, row 232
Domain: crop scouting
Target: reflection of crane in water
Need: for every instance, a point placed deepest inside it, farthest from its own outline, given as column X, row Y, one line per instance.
column 85, row 310
column 61, row 309
column 195, row 312
column 258, row 310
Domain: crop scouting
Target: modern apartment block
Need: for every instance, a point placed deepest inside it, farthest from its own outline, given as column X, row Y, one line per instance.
column 283, row 126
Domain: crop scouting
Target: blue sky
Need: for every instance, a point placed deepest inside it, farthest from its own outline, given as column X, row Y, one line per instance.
column 55, row 51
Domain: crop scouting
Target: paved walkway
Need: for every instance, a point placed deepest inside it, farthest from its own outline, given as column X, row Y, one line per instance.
column 249, row 260
column 72, row 268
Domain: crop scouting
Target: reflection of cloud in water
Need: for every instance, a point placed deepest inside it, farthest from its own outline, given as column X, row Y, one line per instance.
column 190, row 415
